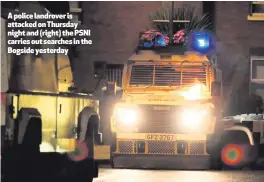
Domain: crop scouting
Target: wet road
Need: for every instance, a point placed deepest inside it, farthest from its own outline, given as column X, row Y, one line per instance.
column 128, row 175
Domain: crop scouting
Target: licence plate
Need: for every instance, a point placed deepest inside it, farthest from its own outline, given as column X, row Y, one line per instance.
column 161, row 137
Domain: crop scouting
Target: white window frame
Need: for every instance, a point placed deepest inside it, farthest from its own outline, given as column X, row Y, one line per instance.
column 76, row 10
column 256, row 16
column 255, row 58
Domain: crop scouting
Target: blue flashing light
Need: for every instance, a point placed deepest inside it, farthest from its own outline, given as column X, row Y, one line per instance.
column 151, row 39
column 160, row 41
column 148, row 44
column 201, row 42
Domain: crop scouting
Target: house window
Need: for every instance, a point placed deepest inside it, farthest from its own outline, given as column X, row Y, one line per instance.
column 209, row 9
column 256, row 11
column 257, row 69
column 76, row 11
column 257, row 89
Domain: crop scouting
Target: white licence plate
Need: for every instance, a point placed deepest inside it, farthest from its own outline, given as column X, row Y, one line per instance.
column 161, row 137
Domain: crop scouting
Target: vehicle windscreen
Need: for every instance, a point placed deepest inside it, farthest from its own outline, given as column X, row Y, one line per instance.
column 158, row 74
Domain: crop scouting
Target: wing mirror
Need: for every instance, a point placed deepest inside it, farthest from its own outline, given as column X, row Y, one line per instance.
column 100, row 69
column 216, row 89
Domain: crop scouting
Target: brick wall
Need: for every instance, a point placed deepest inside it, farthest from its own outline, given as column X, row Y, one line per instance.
column 114, row 28
column 114, row 31
column 235, row 36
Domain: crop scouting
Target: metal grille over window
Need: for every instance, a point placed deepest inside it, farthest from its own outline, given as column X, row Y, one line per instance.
column 160, row 147
column 162, row 75
column 114, row 74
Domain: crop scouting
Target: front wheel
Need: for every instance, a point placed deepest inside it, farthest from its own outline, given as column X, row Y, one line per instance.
column 81, row 171
column 236, row 151
column 112, row 150
column 83, row 167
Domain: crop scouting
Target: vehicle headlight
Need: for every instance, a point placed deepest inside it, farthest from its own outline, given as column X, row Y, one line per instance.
column 193, row 117
column 126, row 115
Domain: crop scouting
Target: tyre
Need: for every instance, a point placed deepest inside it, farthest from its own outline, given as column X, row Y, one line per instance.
column 112, row 150
column 81, row 171
column 83, row 168
column 28, row 152
column 112, row 160
column 215, row 161
column 236, row 151
column 214, row 150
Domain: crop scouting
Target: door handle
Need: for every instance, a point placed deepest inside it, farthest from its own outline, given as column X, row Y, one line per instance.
column 60, row 109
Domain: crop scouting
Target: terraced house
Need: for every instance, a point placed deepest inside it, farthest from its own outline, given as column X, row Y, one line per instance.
column 238, row 27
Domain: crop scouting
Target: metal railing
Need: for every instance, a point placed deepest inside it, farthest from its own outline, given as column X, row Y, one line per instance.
column 114, row 74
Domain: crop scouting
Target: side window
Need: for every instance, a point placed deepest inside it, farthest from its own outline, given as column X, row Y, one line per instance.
column 76, row 11
column 258, row 89
column 256, row 11
column 257, row 69
column 257, row 76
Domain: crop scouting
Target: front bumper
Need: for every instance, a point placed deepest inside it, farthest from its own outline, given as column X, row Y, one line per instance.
column 160, row 144
column 143, row 161
column 143, row 150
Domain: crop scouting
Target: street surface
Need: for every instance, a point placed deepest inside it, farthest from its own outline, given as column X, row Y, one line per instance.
column 128, row 175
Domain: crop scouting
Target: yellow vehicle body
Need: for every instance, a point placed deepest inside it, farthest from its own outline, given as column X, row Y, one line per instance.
column 156, row 122
column 59, row 114
column 47, row 124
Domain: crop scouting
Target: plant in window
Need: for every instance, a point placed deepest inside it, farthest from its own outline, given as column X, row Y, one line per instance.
column 154, row 38
column 189, row 21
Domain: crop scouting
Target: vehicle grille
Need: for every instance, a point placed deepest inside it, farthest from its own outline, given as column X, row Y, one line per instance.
column 197, row 147
column 164, row 147
column 167, row 75
column 126, row 147
column 158, row 119
column 161, row 147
